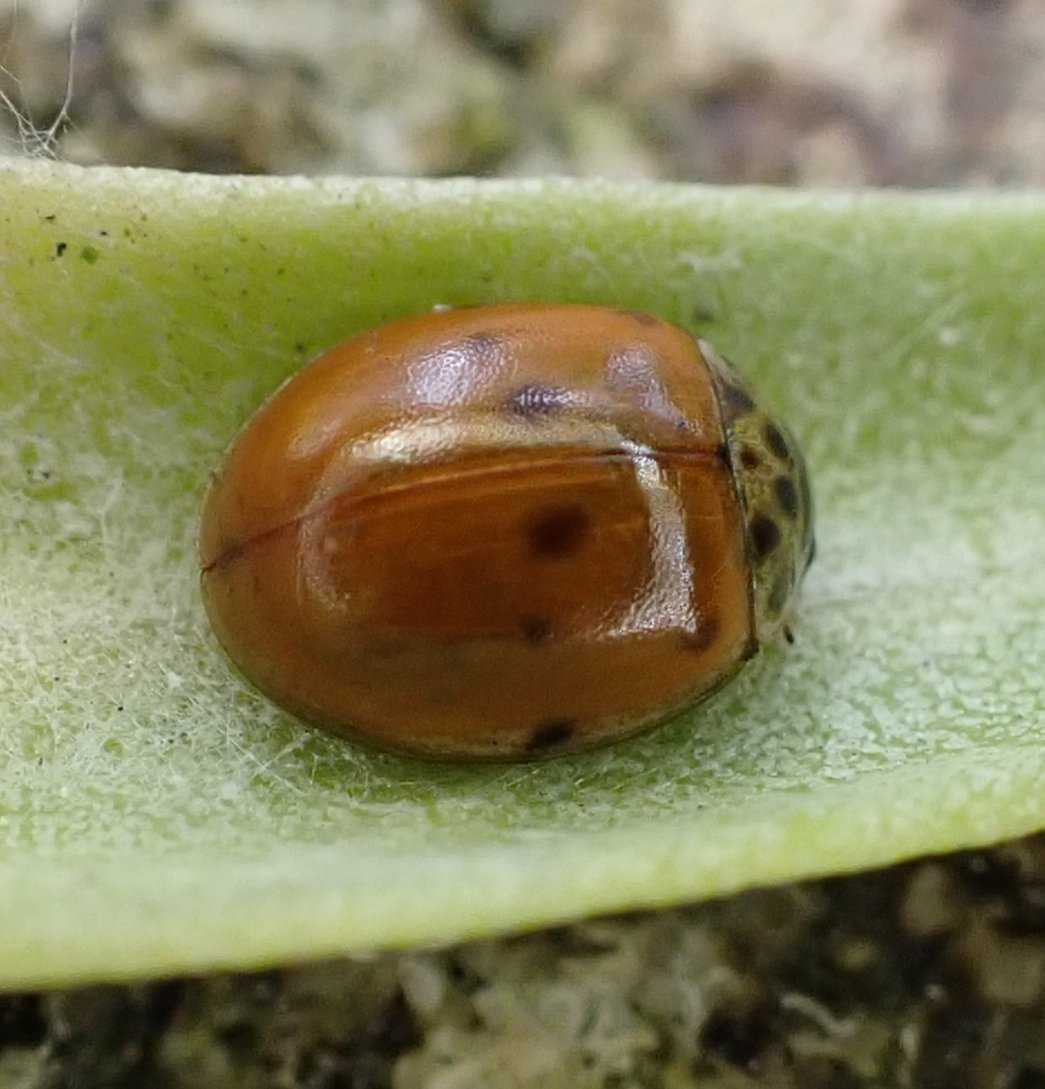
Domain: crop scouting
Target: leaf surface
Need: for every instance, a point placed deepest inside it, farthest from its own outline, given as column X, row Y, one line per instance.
column 158, row 816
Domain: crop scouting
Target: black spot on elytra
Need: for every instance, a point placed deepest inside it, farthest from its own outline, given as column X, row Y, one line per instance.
column 786, row 495
column 536, row 629
column 482, row 343
column 776, row 442
column 699, row 640
column 551, row 734
column 557, row 532
column 779, row 592
column 649, row 320
column 534, row 399
column 765, row 535
column 734, row 401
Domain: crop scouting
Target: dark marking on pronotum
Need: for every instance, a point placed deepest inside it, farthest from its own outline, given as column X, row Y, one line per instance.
column 735, row 402
column 536, row 629
column 534, row 399
column 786, row 495
column 559, row 531
column 750, row 459
column 776, row 442
column 482, row 343
column 551, row 734
column 703, row 637
column 59, row 250
column 765, row 535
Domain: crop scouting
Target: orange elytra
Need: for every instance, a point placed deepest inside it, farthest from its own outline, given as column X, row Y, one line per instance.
column 504, row 532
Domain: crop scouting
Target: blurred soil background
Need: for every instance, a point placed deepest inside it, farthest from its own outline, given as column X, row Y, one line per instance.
column 929, row 975
column 811, row 92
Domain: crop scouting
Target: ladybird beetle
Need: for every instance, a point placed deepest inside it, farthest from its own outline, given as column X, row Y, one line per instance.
column 502, row 532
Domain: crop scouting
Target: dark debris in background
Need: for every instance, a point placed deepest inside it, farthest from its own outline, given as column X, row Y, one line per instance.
column 929, row 975
column 814, row 92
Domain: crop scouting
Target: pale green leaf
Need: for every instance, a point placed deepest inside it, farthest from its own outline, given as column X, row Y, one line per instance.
column 157, row 816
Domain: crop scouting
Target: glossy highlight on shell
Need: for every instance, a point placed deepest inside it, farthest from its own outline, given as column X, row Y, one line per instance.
column 504, row 532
